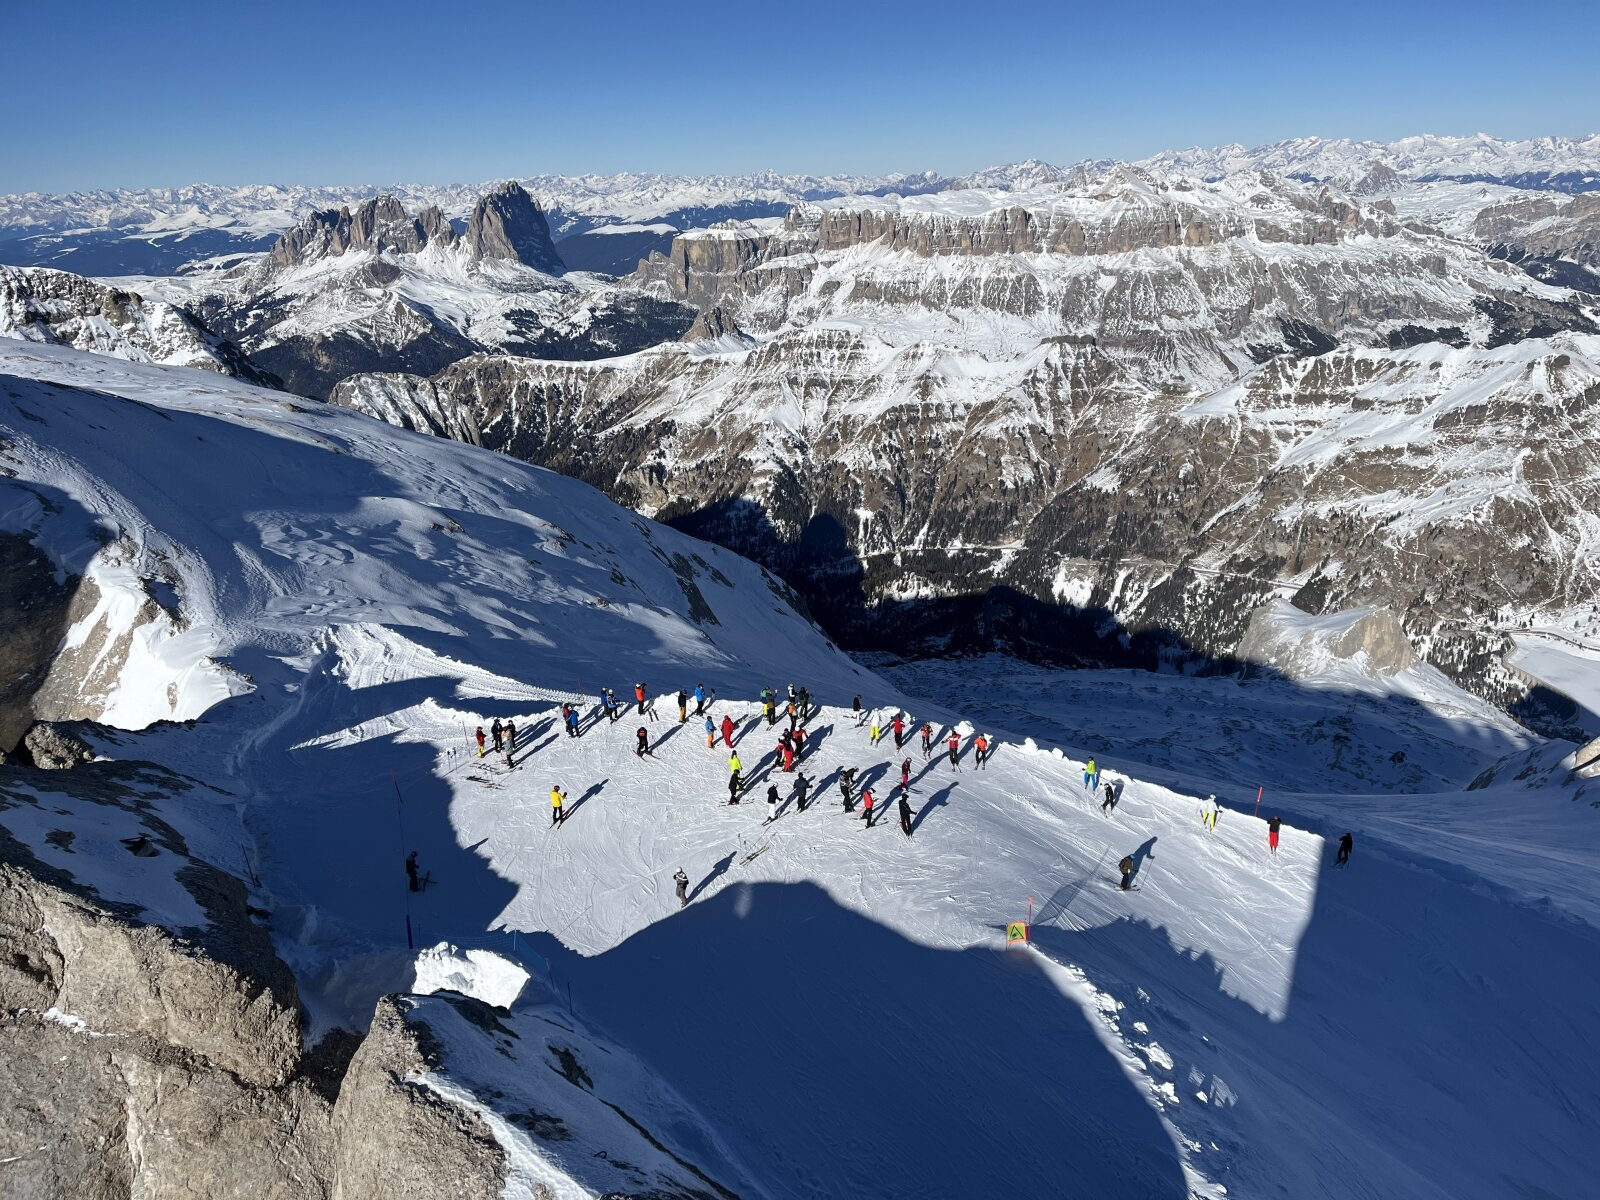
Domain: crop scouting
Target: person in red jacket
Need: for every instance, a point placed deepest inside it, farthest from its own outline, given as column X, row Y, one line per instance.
column 788, row 757
column 899, row 727
column 638, row 694
column 866, row 806
column 954, row 742
column 981, row 745
column 727, row 731
column 799, row 741
column 481, row 740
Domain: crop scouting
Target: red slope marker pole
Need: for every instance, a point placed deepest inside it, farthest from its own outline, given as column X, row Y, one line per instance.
column 1259, row 790
column 1030, row 918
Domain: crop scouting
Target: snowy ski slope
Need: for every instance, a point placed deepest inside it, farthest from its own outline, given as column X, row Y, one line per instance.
column 343, row 602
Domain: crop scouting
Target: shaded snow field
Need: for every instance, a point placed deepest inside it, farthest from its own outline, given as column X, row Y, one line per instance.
column 835, row 1012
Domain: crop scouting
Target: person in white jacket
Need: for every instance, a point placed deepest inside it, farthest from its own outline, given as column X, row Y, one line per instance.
column 1208, row 813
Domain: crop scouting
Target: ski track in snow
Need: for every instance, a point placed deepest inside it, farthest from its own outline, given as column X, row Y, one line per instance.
column 840, row 1008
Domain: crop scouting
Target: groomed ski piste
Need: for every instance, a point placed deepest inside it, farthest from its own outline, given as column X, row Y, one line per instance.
column 337, row 605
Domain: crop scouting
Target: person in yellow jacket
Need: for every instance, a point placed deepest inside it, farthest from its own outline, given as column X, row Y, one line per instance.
column 557, row 813
column 734, row 767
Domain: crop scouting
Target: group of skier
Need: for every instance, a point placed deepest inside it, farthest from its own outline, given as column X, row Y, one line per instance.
column 789, row 750
column 505, row 740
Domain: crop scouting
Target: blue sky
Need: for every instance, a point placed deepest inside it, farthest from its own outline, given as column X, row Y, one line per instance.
column 106, row 95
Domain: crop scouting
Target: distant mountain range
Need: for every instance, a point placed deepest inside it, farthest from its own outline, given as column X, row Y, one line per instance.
column 158, row 231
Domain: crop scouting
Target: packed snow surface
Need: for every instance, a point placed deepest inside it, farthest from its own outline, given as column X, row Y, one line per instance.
column 836, row 1002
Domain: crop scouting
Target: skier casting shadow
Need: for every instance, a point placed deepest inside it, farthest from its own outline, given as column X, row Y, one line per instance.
column 1146, row 851
column 594, row 790
column 814, row 737
column 938, row 800
column 717, row 871
column 869, row 778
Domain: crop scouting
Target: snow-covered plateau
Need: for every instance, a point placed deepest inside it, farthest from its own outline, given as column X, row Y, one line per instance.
column 260, row 633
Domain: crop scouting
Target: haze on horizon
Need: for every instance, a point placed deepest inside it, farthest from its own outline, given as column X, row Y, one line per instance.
column 412, row 92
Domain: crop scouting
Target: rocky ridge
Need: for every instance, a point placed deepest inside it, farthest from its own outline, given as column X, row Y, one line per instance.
column 55, row 307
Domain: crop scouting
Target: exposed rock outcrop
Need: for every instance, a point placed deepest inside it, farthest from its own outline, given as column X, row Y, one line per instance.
column 377, row 226
column 139, row 1055
column 508, row 224
column 55, row 307
column 55, row 747
column 399, row 1139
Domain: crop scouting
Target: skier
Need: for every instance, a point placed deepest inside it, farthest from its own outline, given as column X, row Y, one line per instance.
column 480, row 737
column 856, row 708
column 682, row 881
column 683, row 706
column 572, row 722
column 498, row 732
column 1126, row 867
column 727, row 731
column 899, row 727
column 980, row 745
column 875, row 733
column 793, row 695
column 788, row 757
column 905, row 775
column 805, row 704
column 699, row 699
column 1091, row 775
column 772, row 802
column 734, row 767
column 927, row 741
column 638, row 693
column 794, row 716
column 1272, row 833
column 905, row 814
column 866, row 806
column 1346, row 843
column 954, row 742
column 557, row 813
column 1208, row 813
column 613, row 709
column 511, row 737
column 847, row 777
column 1109, row 804
column 802, row 787
column 643, row 747
column 799, row 741
column 771, row 711
column 411, row 872
column 711, row 734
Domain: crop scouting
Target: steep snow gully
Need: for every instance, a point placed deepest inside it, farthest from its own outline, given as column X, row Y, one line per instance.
column 836, row 1002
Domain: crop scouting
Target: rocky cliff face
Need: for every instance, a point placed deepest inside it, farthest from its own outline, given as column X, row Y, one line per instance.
column 508, row 224
column 1065, row 508
column 150, row 1039
column 378, row 226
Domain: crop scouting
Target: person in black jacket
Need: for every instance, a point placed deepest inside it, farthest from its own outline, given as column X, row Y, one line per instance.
column 1346, row 843
column 905, row 814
